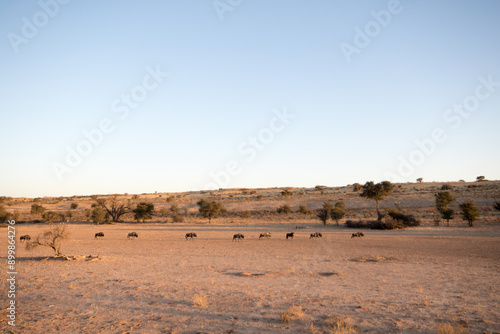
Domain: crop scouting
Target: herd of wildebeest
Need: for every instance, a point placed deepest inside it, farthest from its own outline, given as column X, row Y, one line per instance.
column 237, row 237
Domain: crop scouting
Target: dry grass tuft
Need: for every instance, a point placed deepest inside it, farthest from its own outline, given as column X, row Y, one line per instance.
column 284, row 317
column 341, row 325
column 296, row 312
column 375, row 258
column 425, row 302
column 200, row 300
column 448, row 329
column 313, row 329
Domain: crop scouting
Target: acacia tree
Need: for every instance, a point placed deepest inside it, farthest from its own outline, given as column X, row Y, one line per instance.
column 143, row 211
column 377, row 192
column 51, row 217
column 443, row 199
column 98, row 215
column 52, row 238
column 448, row 214
column 420, row 179
column 4, row 215
column 210, row 209
column 324, row 212
column 113, row 205
column 356, row 187
column 37, row 209
column 338, row 212
column 470, row 212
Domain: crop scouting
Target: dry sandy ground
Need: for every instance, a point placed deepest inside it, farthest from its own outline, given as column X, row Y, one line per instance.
column 409, row 281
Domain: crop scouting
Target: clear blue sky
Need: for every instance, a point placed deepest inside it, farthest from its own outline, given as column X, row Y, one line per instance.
column 69, row 66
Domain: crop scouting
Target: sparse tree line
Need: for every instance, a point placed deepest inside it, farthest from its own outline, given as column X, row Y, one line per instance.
column 114, row 208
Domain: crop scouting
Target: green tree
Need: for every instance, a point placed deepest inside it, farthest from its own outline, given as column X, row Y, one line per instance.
column 74, row 205
column 443, row 199
column 210, row 209
column 470, row 212
column 420, row 179
column 4, row 215
column 357, row 187
column 377, row 192
column 338, row 211
column 143, row 211
column 51, row 217
column 37, row 209
column 324, row 212
column 480, row 178
column 98, row 215
column 448, row 214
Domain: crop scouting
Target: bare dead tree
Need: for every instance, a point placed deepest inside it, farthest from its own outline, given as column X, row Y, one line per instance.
column 52, row 238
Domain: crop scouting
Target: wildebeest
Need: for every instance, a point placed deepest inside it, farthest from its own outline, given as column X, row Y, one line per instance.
column 99, row 235
column 132, row 235
column 289, row 235
column 316, row 235
column 191, row 236
column 357, row 235
column 265, row 235
column 238, row 237
column 25, row 237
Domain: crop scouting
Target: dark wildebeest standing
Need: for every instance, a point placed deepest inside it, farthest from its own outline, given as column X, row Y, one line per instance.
column 289, row 235
column 191, row 236
column 238, row 237
column 316, row 235
column 99, row 235
column 265, row 235
column 25, row 237
column 357, row 235
column 132, row 235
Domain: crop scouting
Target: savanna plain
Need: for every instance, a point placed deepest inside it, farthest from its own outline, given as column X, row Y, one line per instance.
column 436, row 277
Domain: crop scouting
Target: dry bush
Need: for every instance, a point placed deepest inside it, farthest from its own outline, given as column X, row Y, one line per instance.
column 200, row 300
column 284, row 317
column 177, row 219
column 448, row 329
column 296, row 312
column 52, row 238
column 313, row 329
column 386, row 224
column 341, row 325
